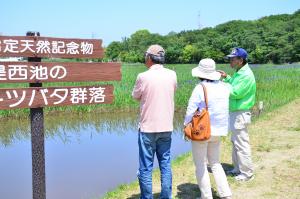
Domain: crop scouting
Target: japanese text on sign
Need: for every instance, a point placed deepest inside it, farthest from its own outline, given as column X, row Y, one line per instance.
column 41, row 97
column 45, row 47
column 37, row 72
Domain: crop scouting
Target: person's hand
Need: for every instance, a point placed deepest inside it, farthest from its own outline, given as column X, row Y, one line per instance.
column 223, row 74
column 186, row 138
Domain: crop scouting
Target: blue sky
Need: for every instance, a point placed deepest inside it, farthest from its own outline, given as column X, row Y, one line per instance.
column 111, row 20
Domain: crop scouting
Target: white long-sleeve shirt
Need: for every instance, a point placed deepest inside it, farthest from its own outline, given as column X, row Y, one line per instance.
column 218, row 105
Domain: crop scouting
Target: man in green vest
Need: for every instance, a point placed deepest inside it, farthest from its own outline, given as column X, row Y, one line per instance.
column 242, row 99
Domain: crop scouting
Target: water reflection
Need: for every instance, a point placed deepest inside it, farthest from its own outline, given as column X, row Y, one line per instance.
column 86, row 155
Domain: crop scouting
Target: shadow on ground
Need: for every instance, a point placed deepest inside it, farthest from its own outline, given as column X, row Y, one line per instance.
column 189, row 190
column 137, row 196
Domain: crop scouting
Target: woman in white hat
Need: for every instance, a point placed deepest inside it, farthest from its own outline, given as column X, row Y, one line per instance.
column 209, row 151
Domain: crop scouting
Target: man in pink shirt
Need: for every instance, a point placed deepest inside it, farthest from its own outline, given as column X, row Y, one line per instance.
column 155, row 90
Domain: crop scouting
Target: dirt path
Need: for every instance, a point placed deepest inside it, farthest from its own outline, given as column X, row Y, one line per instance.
column 276, row 151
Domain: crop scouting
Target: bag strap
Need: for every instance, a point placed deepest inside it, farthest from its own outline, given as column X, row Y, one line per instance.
column 205, row 95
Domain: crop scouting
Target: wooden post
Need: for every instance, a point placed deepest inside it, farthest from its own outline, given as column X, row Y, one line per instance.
column 260, row 107
column 37, row 142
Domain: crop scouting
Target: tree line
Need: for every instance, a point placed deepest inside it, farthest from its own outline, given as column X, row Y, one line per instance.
column 271, row 39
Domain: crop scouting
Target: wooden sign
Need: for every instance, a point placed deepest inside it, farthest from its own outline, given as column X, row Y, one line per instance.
column 33, row 46
column 37, row 72
column 55, row 96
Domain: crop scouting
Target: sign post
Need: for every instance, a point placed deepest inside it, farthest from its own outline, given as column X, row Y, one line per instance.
column 35, row 72
column 37, row 142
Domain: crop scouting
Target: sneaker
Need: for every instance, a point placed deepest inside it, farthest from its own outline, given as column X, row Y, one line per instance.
column 243, row 178
column 233, row 172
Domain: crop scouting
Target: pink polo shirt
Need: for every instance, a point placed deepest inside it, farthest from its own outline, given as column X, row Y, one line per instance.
column 155, row 90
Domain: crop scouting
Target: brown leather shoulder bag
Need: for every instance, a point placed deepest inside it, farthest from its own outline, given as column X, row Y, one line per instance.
column 199, row 128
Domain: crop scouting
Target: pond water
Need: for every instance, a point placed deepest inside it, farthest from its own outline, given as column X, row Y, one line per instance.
column 86, row 155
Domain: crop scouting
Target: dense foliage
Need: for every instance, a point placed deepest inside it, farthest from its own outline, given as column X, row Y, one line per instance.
column 272, row 39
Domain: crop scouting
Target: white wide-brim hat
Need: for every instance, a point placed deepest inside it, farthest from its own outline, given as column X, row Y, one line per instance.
column 206, row 70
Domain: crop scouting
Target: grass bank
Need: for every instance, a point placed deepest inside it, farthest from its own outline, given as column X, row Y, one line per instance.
column 276, row 154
